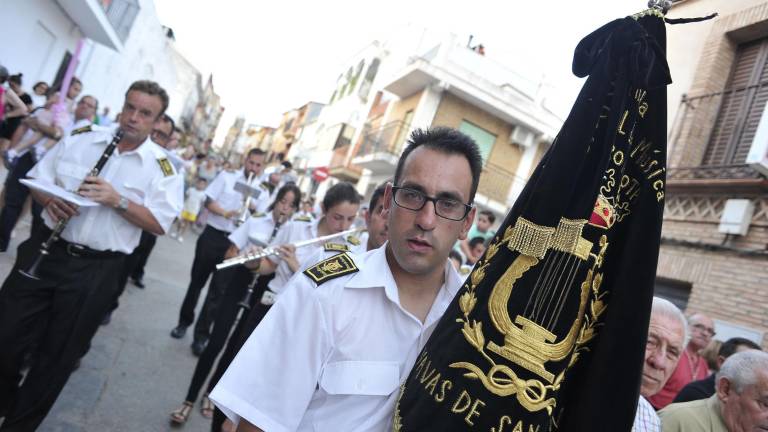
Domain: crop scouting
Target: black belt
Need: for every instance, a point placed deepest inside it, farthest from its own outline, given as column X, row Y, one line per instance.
column 216, row 230
column 78, row 250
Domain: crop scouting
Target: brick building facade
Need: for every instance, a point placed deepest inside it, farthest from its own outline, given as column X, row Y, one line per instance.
column 717, row 101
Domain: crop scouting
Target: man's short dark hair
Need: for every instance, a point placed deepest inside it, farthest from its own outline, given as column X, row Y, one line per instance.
column 455, row 255
column 75, row 80
column 283, row 191
column 376, row 196
column 95, row 101
column 339, row 193
column 730, row 346
column 489, row 214
column 287, row 165
column 16, row 79
column 476, row 241
column 168, row 119
column 151, row 88
column 38, row 84
column 448, row 141
column 255, row 151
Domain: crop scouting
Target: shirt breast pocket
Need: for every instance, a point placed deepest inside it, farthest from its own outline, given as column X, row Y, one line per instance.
column 373, row 378
column 70, row 175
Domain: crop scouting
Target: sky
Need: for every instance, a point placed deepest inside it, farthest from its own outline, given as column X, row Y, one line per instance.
column 268, row 57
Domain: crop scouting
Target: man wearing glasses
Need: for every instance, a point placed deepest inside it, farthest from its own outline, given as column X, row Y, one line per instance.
column 332, row 353
column 692, row 366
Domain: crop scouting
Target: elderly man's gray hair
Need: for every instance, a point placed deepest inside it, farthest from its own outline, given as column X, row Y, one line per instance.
column 666, row 308
column 741, row 368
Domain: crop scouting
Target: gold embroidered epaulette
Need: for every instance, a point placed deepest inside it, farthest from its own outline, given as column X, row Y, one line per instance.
column 83, row 129
column 330, row 247
column 331, row 268
column 353, row 240
column 165, row 166
column 303, row 219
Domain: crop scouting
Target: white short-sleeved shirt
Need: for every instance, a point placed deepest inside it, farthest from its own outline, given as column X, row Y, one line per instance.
column 331, row 357
column 293, row 232
column 222, row 190
column 257, row 230
column 195, row 200
column 137, row 175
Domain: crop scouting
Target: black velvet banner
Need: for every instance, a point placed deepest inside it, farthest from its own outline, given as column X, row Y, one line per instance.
column 548, row 332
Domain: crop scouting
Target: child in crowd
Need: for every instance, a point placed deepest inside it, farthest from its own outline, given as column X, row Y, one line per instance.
column 192, row 205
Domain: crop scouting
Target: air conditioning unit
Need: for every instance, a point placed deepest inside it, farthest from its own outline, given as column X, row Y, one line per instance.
column 736, row 217
column 522, row 137
column 757, row 158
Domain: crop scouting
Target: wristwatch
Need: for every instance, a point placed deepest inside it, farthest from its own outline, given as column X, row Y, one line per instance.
column 123, row 204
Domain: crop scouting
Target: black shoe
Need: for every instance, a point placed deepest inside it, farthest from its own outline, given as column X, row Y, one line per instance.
column 199, row 346
column 107, row 318
column 179, row 331
column 139, row 282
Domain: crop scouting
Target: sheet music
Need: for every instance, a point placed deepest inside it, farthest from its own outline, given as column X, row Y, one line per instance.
column 58, row 191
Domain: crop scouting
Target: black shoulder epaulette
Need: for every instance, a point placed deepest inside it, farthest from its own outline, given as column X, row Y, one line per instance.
column 352, row 239
column 303, row 219
column 165, row 166
column 83, row 129
column 331, row 247
column 331, row 268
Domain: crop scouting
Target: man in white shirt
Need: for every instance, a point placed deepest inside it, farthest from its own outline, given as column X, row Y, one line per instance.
column 59, row 312
column 334, row 349
column 225, row 204
column 667, row 337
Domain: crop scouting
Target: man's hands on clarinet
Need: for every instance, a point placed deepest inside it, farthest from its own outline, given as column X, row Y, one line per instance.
column 100, row 191
column 59, row 209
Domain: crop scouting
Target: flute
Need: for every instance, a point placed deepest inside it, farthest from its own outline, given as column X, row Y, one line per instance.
column 253, row 256
column 45, row 248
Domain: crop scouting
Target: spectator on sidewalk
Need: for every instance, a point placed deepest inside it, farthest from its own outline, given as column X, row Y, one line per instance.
column 18, row 109
column 692, row 365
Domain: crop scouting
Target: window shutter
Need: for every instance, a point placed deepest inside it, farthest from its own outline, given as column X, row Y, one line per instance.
column 741, row 106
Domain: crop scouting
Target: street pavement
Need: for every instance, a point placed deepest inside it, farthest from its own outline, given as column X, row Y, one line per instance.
column 135, row 374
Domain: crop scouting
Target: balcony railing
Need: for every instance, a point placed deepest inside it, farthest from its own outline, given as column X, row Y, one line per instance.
column 386, row 139
column 495, row 182
column 714, row 172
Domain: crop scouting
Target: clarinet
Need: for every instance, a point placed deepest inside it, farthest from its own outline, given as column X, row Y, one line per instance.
column 45, row 248
column 245, row 303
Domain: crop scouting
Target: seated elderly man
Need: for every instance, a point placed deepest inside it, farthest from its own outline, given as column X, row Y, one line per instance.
column 667, row 336
column 740, row 403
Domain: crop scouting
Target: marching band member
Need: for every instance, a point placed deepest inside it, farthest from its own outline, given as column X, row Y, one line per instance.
column 346, row 332
column 231, row 284
column 60, row 311
column 225, row 204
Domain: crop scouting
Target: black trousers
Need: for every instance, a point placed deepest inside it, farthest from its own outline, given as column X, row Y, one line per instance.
column 135, row 262
column 209, row 251
column 220, row 283
column 242, row 331
column 226, row 315
column 15, row 196
column 58, row 315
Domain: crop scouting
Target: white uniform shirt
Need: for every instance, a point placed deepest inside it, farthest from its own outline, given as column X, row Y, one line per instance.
column 331, row 358
column 136, row 175
column 222, row 190
column 256, row 231
column 296, row 231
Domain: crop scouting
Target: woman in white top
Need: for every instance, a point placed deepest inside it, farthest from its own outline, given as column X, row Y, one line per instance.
column 258, row 230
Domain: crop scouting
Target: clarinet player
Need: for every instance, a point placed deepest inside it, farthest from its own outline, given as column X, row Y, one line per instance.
column 58, row 314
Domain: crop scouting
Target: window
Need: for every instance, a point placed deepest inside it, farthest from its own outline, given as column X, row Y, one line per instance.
column 675, row 291
column 482, row 137
column 741, row 107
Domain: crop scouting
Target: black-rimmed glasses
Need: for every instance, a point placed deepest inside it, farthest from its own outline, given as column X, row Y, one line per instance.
column 414, row 200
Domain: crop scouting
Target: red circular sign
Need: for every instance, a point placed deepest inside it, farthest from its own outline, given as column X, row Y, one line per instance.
column 320, row 174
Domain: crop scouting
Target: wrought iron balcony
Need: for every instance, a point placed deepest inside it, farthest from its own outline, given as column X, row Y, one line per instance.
column 380, row 148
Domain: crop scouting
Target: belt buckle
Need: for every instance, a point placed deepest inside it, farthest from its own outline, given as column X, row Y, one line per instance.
column 75, row 250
